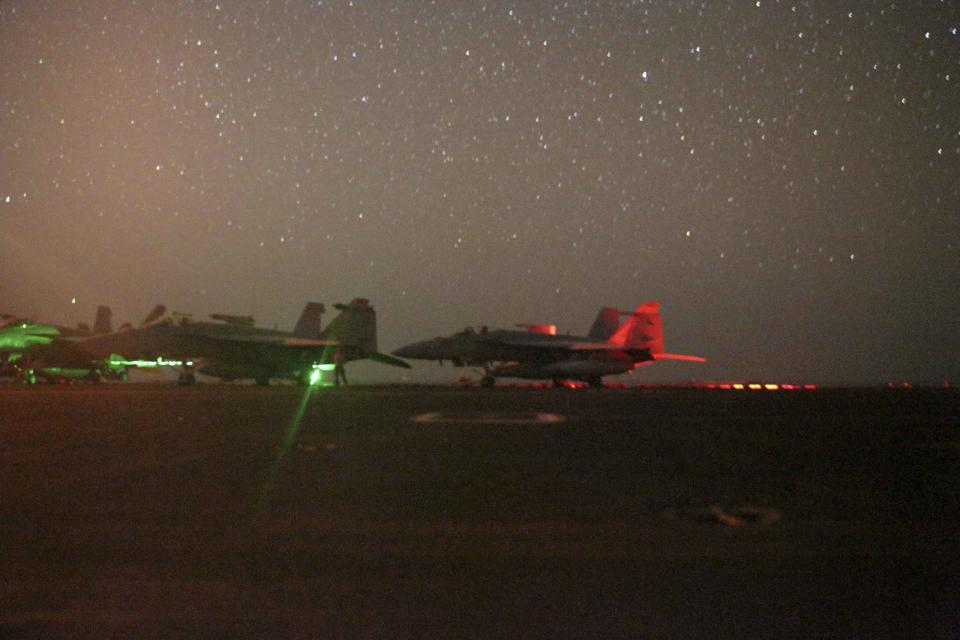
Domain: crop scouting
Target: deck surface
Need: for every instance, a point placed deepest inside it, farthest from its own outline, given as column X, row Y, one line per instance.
column 155, row 511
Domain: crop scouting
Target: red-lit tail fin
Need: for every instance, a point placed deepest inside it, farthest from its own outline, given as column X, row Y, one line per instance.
column 643, row 329
column 606, row 324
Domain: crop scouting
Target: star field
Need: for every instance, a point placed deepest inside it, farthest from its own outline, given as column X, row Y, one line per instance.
column 781, row 176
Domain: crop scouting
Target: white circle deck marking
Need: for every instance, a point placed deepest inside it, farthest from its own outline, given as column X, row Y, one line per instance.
column 482, row 417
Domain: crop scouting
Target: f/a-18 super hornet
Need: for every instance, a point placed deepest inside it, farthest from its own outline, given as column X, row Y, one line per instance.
column 12, row 325
column 24, row 341
column 538, row 353
column 231, row 347
column 33, row 350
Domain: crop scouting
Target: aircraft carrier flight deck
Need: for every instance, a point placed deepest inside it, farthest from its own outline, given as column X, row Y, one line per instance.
column 155, row 511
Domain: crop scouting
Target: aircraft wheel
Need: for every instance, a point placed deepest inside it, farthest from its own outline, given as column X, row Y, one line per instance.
column 27, row 376
column 262, row 382
column 187, row 379
column 595, row 382
column 95, row 375
column 559, row 383
column 487, row 381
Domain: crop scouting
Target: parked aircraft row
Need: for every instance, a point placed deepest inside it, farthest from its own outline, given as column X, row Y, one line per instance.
column 232, row 347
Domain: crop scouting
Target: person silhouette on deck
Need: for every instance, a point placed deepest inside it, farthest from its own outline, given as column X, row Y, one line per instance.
column 338, row 370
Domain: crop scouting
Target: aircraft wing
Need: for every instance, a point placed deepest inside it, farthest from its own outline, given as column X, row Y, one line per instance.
column 385, row 359
column 603, row 346
column 596, row 346
column 272, row 340
column 526, row 340
column 307, row 342
column 535, row 341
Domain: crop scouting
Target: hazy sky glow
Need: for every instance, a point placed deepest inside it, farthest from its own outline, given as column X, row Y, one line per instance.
column 784, row 177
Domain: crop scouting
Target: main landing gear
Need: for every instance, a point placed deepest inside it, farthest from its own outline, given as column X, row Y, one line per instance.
column 187, row 377
column 26, row 376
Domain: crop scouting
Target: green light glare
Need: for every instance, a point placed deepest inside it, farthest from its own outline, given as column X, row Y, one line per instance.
column 289, row 439
column 314, row 377
column 63, row 372
column 119, row 360
column 324, row 367
column 162, row 362
column 22, row 336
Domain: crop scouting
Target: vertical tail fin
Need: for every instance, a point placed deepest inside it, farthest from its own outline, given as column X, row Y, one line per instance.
column 643, row 329
column 606, row 324
column 103, row 322
column 310, row 323
column 155, row 313
column 355, row 326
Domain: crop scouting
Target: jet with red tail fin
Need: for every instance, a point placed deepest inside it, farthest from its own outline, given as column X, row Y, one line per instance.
column 538, row 353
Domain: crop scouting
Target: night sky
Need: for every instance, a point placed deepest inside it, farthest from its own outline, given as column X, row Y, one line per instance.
column 784, row 177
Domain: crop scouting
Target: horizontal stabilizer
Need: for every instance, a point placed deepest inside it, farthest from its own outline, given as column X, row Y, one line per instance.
column 385, row 359
column 678, row 356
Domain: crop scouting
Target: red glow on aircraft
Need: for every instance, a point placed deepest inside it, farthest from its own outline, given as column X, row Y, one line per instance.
column 547, row 329
column 678, row 356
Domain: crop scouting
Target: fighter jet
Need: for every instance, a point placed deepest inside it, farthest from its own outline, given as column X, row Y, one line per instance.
column 539, row 353
column 101, row 324
column 231, row 347
column 31, row 350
